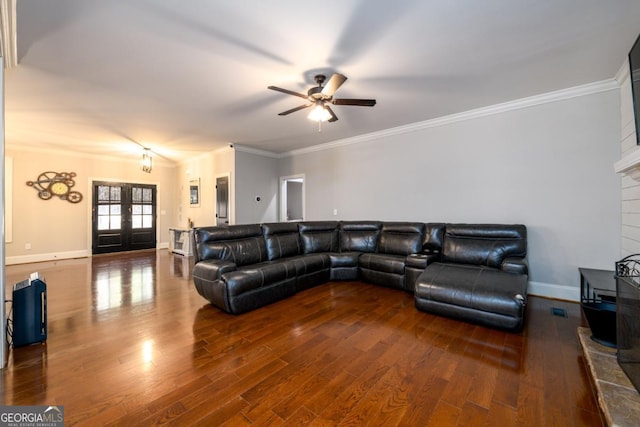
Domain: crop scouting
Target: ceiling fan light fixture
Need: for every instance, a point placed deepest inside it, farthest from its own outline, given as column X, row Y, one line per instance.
column 319, row 113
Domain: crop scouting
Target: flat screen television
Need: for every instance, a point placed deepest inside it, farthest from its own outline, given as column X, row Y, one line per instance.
column 634, row 68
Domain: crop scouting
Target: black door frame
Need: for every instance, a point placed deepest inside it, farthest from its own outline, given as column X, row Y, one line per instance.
column 126, row 237
column 222, row 219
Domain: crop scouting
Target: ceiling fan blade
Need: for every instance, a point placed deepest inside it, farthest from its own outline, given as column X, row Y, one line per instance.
column 333, row 118
column 358, row 102
column 288, row 92
column 333, row 84
column 293, row 110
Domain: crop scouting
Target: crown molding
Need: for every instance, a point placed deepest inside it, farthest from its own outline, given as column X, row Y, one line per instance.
column 559, row 95
column 257, row 151
column 8, row 43
column 623, row 73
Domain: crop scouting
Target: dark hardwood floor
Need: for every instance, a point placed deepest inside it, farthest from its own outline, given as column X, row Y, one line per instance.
column 130, row 342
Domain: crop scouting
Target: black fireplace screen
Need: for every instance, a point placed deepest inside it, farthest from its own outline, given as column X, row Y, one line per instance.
column 628, row 316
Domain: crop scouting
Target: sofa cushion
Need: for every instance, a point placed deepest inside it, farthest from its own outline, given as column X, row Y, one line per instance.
column 480, row 288
column 401, row 238
column 359, row 236
column 258, row 275
column 387, row 263
column 344, row 259
column 240, row 244
column 483, row 244
column 281, row 239
column 320, row 236
column 310, row 263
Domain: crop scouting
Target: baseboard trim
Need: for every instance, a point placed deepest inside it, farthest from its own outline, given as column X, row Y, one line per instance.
column 550, row 290
column 26, row 259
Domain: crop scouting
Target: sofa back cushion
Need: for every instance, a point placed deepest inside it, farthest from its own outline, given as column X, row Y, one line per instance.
column 359, row 236
column 282, row 240
column 483, row 244
column 319, row 236
column 240, row 244
column 401, row 238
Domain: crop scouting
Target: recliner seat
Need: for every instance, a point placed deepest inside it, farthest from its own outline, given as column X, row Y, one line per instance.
column 482, row 276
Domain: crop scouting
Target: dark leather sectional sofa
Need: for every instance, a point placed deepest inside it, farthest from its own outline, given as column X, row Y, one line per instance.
column 474, row 272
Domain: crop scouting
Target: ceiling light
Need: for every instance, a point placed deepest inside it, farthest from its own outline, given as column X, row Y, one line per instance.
column 319, row 113
column 146, row 160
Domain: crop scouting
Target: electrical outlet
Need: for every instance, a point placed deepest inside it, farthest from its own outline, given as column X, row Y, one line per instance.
column 27, row 246
column 335, row 212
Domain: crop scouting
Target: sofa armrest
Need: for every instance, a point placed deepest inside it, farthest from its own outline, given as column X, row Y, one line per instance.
column 213, row 269
column 515, row 265
column 421, row 261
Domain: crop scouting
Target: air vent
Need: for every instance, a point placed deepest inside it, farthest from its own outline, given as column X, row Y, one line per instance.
column 561, row 312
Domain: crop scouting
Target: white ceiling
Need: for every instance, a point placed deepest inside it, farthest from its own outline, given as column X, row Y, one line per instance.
column 185, row 77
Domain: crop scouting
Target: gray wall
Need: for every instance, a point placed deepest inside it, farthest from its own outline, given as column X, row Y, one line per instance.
column 548, row 166
column 256, row 176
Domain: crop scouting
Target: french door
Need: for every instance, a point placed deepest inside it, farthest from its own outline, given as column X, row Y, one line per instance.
column 124, row 217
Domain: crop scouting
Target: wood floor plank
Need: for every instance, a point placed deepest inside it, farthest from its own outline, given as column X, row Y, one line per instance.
column 130, row 342
column 474, row 415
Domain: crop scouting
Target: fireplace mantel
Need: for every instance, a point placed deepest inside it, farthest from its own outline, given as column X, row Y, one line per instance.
column 629, row 165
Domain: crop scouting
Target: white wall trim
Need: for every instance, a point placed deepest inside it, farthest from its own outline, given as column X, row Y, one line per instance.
column 623, row 73
column 629, row 164
column 24, row 259
column 560, row 95
column 550, row 290
column 257, row 151
column 56, row 256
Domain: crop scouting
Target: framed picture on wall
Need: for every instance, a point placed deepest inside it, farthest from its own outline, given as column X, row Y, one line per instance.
column 194, row 192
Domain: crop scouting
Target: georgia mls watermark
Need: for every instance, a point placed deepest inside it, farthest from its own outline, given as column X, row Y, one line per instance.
column 31, row 416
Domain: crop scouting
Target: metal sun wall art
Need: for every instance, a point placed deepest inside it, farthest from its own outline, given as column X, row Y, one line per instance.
column 51, row 184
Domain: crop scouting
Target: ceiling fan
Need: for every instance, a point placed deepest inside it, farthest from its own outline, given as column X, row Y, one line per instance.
column 320, row 96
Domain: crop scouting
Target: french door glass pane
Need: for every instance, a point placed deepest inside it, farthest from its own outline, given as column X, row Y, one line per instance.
column 103, row 193
column 103, row 222
column 136, row 194
column 116, row 222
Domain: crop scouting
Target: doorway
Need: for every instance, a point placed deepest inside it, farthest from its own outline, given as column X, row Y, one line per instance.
column 222, row 200
column 292, row 198
column 123, row 217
